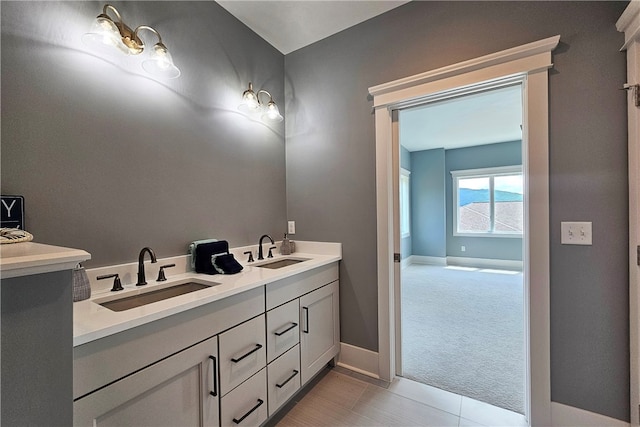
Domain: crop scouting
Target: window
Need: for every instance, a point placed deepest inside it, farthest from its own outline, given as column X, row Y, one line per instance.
column 488, row 202
column 405, row 228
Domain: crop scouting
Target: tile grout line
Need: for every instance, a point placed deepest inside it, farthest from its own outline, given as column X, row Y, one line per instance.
column 430, row 406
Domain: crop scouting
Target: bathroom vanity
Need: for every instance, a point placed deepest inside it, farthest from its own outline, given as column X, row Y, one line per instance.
column 229, row 354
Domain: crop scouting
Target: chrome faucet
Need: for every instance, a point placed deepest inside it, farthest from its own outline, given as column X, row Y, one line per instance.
column 141, row 276
column 260, row 245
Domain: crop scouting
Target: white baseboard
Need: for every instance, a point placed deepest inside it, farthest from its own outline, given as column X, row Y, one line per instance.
column 485, row 263
column 406, row 262
column 462, row 261
column 358, row 359
column 568, row 416
column 429, row 260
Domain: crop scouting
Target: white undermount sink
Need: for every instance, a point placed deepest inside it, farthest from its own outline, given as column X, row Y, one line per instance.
column 144, row 296
column 282, row 262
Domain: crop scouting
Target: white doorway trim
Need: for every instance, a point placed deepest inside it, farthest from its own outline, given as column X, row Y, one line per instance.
column 629, row 23
column 531, row 62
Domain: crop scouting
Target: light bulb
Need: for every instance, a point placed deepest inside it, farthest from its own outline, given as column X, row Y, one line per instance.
column 250, row 101
column 160, row 63
column 105, row 36
column 272, row 113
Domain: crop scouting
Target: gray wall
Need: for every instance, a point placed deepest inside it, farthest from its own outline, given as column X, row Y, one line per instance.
column 110, row 161
column 484, row 156
column 406, row 242
column 331, row 165
column 428, row 213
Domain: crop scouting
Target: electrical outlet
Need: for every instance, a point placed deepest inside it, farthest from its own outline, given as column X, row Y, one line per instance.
column 291, row 227
column 576, row 233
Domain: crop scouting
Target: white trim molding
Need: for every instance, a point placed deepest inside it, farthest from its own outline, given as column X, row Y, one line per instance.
column 499, row 264
column 516, row 58
column 527, row 65
column 359, row 360
column 428, row 260
column 568, row 416
column 629, row 23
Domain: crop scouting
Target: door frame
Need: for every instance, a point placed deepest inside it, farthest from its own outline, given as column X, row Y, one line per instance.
column 629, row 23
column 530, row 62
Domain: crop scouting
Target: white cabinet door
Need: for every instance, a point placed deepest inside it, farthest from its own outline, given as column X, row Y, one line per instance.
column 181, row 390
column 320, row 329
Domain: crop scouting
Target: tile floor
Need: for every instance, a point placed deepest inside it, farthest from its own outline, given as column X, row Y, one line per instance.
column 340, row 397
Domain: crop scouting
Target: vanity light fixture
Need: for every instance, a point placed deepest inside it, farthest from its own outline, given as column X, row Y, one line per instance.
column 110, row 35
column 251, row 103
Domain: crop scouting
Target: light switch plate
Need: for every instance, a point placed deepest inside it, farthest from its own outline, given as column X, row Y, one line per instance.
column 576, row 233
column 291, row 227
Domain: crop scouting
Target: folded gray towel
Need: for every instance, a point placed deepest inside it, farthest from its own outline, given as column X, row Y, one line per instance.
column 81, row 286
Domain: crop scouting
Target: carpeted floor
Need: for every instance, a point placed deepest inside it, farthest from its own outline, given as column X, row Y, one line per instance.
column 463, row 331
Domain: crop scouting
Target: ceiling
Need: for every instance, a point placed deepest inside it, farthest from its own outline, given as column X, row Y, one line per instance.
column 477, row 119
column 291, row 25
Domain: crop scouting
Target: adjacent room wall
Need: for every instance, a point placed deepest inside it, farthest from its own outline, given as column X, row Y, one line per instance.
column 428, row 213
column 110, row 160
column 483, row 156
column 331, row 165
column 406, row 242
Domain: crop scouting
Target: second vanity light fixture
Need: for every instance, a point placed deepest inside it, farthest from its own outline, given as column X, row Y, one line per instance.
column 251, row 103
column 116, row 35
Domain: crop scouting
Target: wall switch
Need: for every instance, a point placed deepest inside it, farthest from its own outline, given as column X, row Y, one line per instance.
column 291, row 227
column 576, row 233
column 463, row 248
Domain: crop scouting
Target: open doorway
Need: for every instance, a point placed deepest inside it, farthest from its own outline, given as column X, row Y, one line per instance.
column 529, row 64
column 462, row 224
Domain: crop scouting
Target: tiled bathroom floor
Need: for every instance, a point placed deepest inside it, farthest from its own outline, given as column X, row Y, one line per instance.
column 339, row 397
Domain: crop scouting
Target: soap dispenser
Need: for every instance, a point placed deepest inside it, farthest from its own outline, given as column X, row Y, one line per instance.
column 285, row 246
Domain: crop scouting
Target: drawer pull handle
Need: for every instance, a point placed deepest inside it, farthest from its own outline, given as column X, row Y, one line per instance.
column 214, row 375
column 238, row 421
column 293, row 325
column 288, row 379
column 306, row 312
column 256, row 348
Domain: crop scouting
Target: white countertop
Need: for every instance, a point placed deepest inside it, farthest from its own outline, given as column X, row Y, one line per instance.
column 25, row 258
column 91, row 321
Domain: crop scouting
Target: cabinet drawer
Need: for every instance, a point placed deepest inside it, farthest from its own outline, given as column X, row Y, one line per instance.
column 242, row 353
column 247, row 404
column 283, row 378
column 281, row 291
column 282, row 329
